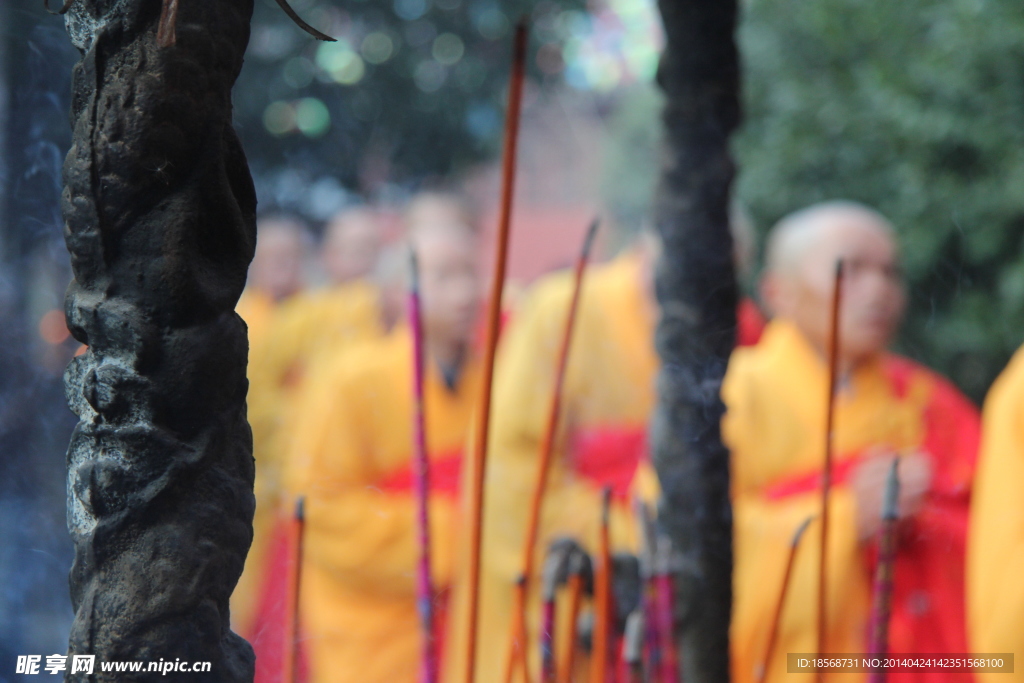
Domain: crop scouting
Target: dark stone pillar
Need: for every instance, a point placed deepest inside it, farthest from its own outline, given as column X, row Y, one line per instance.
column 696, row 287
column 159, row 213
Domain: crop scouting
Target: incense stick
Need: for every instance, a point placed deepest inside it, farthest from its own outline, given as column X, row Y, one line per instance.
column 522, row 595
column 576, row 570
column 648, row 543
column 599, row 656
column 826, row 483
column 633, row 646
column 289, row 667
column 553, row 567
column 882, row 599
column 665, row 611
column 421, row 469
column 478, row 462
column 773, row 635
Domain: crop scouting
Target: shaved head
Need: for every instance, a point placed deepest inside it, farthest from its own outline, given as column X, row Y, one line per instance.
column 352, row 243
column 276, row 267
column 803, row 249
column 800, row 235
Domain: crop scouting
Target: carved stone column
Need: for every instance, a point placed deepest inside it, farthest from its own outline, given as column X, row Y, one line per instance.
column 696, row 287
column 159, row 213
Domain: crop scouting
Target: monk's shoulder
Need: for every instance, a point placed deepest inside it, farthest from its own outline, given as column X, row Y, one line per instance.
column 945, row 400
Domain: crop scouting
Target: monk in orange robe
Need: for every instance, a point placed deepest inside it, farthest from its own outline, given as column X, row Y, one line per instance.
column 886, row 406
column 995, row 558
column 351, row 456
column 608, row 396
column 275, row 276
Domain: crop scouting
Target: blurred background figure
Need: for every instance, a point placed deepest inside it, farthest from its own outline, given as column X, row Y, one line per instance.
column 292, row 328
column 350, row 454
column 886, row 406
column 351, row 246
column 276, row 274
column 995, row 560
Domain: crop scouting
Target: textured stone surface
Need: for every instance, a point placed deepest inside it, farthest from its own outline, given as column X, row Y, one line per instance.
column 159, row 213
column 696, row 288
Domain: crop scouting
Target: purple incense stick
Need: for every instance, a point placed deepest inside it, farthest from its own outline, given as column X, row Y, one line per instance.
column 421, row 470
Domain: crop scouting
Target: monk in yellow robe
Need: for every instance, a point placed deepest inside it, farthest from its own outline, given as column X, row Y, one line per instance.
column 995, row 559
column 886, row 406
column 608, row 395
column 352, row 458
column 275, row 276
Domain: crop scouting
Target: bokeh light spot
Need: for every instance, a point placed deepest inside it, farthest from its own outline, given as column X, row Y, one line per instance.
column 377, row 47
column 53, row 328
column 279, row 118
column 448, row 49
column 429, row 76
column 312, row 117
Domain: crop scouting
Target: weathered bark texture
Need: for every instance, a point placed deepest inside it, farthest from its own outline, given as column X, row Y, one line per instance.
column 696, row 288
column 159, row 212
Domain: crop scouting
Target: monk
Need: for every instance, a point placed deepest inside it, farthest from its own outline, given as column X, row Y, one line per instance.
column 352, row 458
column 275, row 276
column 608, row 397
column 886, row 407
column 995, row 558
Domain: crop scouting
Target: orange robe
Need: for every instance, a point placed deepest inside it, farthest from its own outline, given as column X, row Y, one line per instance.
column 257, row 309
column 776, row 397
column 995, row 560
column 284, row 342
column 609, row 393
column 352, row 458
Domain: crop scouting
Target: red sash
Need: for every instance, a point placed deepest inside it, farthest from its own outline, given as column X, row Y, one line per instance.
column 609, row 456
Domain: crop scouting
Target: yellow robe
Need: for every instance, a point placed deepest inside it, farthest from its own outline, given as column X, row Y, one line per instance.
column 608, row 395
column 284, row 342
column 995, row 566
column 776, row 396
column 351, row 457
column 257, row 309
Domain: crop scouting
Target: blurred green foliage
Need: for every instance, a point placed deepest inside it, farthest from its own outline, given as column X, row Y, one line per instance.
column 916, row 108
column 412, row 89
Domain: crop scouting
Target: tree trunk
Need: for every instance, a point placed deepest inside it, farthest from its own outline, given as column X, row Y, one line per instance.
column 159, row 213
column 696, row 287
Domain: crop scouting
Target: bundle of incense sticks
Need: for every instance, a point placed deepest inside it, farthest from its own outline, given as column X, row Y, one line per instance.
column 421, row 468
column 517, row 656
column 882, row 602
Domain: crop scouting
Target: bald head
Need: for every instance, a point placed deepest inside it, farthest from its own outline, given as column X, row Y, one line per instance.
column 450, row 283
column 276, row 267
column 803, row 249
column 438, row 207
column 351, row 246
